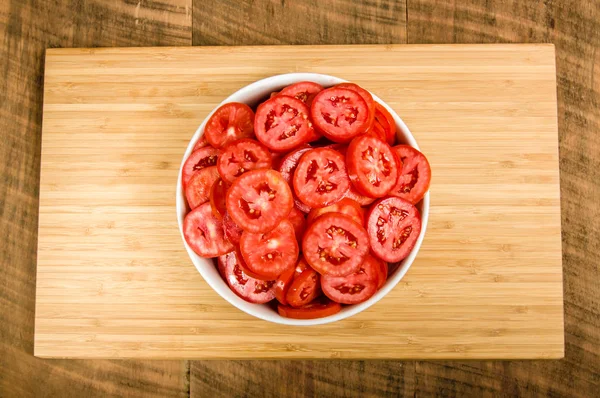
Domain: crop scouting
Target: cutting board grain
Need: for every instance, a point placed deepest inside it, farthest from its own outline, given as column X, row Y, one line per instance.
column 114, row 281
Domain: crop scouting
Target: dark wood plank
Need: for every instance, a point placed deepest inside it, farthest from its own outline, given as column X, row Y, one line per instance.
column 27, row 28
column 301, row 378
column 574, row 27
column 258, row 22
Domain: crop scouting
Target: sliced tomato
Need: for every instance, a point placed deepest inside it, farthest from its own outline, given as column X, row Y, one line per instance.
column 304, row 91
column 273, row 94
column 354, row 288
column 341, row 114
column 297, row 219
column 304, row 288
column 201, row 143
column 248, row 288
column 378, row 131
column 300, row 267
column 335, row 244
column 197, row 190
column 346, row 206
column 259, row 200
column 357, row 196
column 231, row 122
column 319, row 308
column 288, row 166
column 393, row 225
column 321, row 178
column 365, row 95
column 247, row 270
column 383, row 273
column 282, row 285
column 204, row 234
column 282, row 123
column 386, row 122
column 232, row 231
column 242, row 156
column 415, row 177
column 270, row 254
column 199, row 159
column 218, row 193
column 372, row 166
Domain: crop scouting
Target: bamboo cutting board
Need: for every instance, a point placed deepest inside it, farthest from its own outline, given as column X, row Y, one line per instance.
column 113, row 278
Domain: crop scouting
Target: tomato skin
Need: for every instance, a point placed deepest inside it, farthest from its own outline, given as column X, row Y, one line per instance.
column 201, row 143
column 204, row 233
column 283, row 284
column 393, row 226
column 335, row 244
column 319, row 308
column 354, row 288
column 415, row 176
column 198, row 160
column 346, row 206
column 304, row 91
column 300, row 267
column 321, row 178
column 218, row 193
column 259, row 200
column 386, row 122
column 282, row 123
column 272, row 253
column 288, row 166
column 304, row 288
column 197, row 190
column 372, row 166
column 242, row 156
column 296, row 217
column 246, row 287
column 340, row 114
column 365, row 95
column 358, row 197
column 230, row 122
column 383, row 273
column 231, row 230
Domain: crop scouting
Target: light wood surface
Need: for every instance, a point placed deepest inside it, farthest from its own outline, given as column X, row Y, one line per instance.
column 113, row 279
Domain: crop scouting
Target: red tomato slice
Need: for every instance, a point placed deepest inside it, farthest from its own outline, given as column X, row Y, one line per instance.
column 259, row 200
column 232, row 231
column 335, row 244
column 270, row 254
column 319, row 308
column 354, row 288
column 341, row 114
column 199, row 159
column 393, row 225
column 357, row 196
column 218, row 193
column 372, row 166
column 248, row 288
column 345, row 206
column 304, row 91
column 386, row 122
column 247, row 270
column 365, row 95
column 197, row 190
column 378, row 131
column 321, row 178
column 305, row 288
column 383, row 273
column 282, row 285
column 300, row 267
column 282, row 123
column 241, row 156
column 415, row 177
column 288, row 166
column 273, row 94
column 203, row 232
column 201, row 143
column 231, row 122
column 297, row 219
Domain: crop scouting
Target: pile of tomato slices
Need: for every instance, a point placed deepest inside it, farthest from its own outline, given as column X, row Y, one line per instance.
column 305, row 200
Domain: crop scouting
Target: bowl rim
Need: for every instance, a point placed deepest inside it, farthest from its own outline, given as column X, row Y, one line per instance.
column 211, row 275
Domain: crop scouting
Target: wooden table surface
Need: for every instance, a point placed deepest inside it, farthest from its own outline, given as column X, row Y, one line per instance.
column 27, row 27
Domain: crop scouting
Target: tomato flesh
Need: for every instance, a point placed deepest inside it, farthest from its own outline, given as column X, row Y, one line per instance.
column 259, row 200
column 304, row 91
column 297, row 219
column 365, row 96
column 204, row 234
column 282, row 285
column 304, row 288
column 393, row 225
column 232, row 231
column 242, row 156
column 321, row 178
column 198, row 187
column 386, row 122
column 346, row 206
column 300, row 267
column 246, row 287
column 354, row 288
column 383, row 273
column 335, row 244
column 415, row 177
column 282, row 123
column 218, row 193
column 287, row 167
column 372, row 166
column 341, row 114
column 231, row 122
column 319, row 308
column 270, row 254
column 198, row 160
column 201, row 143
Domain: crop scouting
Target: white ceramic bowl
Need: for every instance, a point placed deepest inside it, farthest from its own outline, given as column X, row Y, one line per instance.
column 251, row 95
